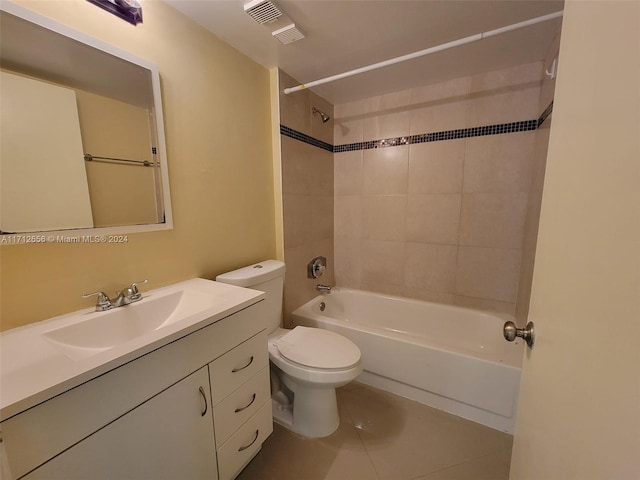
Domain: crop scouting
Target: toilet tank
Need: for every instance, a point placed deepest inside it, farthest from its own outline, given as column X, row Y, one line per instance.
column 268, row 277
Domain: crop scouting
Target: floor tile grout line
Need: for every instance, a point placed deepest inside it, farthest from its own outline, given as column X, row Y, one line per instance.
column 364, row 446
column 422, row 477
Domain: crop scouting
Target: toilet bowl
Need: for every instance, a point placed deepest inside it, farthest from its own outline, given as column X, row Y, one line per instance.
column 307, row 364
column 311, row 363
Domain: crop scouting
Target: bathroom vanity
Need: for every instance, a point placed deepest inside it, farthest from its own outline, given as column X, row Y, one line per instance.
column 188, row 398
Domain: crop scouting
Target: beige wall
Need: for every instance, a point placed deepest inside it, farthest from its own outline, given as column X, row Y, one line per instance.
column 440, row 221
column 307, row 193
column 217, row 126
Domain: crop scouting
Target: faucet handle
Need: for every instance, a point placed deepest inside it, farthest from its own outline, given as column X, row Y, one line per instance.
column 134, row 286
column 104, row 302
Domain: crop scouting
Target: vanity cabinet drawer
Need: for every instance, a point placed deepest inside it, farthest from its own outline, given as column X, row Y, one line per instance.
column 237, row 366
column 238, row 407
column 245, row 443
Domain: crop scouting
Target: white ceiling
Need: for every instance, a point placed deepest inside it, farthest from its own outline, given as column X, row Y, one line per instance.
column 342, row 35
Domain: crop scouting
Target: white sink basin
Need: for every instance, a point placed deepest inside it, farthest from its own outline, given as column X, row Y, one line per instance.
column 44, row 359
column 104, row 330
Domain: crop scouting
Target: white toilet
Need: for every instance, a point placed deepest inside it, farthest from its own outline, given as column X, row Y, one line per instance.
column 307, row 364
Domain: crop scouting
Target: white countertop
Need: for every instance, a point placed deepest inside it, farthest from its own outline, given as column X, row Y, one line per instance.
column 33, row 369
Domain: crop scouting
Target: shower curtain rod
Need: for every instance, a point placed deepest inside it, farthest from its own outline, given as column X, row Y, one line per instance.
column 428, row 51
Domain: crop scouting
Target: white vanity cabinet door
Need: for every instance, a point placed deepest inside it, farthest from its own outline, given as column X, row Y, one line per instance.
column 170, row 436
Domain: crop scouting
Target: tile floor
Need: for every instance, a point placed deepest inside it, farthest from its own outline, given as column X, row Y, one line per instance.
column 386, row 437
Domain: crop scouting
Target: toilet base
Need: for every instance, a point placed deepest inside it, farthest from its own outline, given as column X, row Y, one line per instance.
column 313, row 413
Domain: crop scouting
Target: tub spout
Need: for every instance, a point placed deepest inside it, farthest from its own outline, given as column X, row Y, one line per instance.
column 323, row 288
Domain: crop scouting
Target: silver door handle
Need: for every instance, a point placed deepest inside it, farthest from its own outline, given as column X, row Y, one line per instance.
column 527, row 333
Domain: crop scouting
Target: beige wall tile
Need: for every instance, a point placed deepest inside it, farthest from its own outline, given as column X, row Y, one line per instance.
column 499, row 163
column 297, row 176
column 348, row 263
column 324, row 247
column 357, row 108
column 540, row 159
column 484, row 304
column 320, row 171
column 442, row 106
column 395, row 123
column 383, row 262
column 347, row 176
column 509, row 105
column 295, row 110
column 348, row 130
column 493, row 219
column 382, row 287
column 548, row 87
column 297, row 218
column 319, row 130
column 387, row 116
column 306, row 170
column 430, row 267
column 439, row 117
column 348, row 217
column 383, row 217
column 349, row 122
column 433, row 218
column 527, row 74
column 322, row 219
column 504, row 96
column 428, row 295
column 436, row 167
column 490, row 273
column 442, row 92
column 385, row 170
column 298, row 289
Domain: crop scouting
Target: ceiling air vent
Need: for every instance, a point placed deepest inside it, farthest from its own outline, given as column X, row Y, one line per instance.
column 262, row 11
column 288, row 34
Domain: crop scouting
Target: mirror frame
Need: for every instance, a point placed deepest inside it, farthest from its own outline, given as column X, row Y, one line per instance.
column 52, row 236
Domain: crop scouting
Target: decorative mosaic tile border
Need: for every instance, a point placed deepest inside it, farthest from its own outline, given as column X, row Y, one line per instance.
column 545, row 114
column 498, row 129
column 291, row 133
column 439, row 136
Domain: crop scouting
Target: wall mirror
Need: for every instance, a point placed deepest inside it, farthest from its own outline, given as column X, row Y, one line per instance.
column 82, row 134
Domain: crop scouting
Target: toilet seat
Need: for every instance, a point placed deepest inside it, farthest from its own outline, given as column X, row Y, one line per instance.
column 317, row 348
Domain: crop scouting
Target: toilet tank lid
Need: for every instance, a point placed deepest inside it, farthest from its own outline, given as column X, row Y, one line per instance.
column 253, row 274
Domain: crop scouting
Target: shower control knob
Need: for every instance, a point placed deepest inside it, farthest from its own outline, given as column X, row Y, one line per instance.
column 527, row 333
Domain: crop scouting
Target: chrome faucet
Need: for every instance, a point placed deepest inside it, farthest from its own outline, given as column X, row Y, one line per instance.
column 323, row 288
column 124, row 297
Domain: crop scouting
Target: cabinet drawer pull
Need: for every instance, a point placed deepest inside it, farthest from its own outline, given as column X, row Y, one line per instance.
column 253, row 399
column 252, row 442
column 242, row 368
column 206, row 405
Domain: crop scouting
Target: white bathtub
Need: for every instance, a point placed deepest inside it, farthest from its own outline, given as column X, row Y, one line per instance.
column 451, row 358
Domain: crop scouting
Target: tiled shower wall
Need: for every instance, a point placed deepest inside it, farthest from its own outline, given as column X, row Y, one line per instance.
column 441, row 220
column 307, row 193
